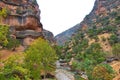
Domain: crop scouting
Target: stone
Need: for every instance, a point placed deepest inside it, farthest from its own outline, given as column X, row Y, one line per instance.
column 64, row 75
column 22, row 14
column 26, row 33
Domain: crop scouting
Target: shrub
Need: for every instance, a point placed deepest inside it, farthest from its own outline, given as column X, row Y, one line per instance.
column 3, row 12
column 5, row 40
column 4, row 29
column 113, row 39
column 103, row 72
column 13, row 69
column 12, row 43
column 116, row 50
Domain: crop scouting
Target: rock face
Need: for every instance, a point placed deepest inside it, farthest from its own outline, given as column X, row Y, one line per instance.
column 23, row 17
column 104, row 13
column 49, row 36
column 64, row 36
column 22, row 14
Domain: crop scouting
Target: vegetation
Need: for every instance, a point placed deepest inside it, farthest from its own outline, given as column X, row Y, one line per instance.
column 113, row 39
column 116, row 50
column 38, row 58
column 95, row 31
column 103, row 72
column 4, row 29
column 3, row 13
column 5, row 40
column 117, row 20
column 13, row 69
column 89, row 57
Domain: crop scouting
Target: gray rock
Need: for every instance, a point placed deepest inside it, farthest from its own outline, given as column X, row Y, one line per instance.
column 49, row 36
column 25, row 33
column 64, row 75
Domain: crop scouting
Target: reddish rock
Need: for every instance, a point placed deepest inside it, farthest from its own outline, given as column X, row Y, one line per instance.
column 23, row 17
column 22, row 14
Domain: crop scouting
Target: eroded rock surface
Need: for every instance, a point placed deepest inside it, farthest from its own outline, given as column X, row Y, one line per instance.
column 22, row 14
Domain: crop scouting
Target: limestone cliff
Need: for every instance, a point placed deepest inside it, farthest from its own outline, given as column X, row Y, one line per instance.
column 23, row 17
column 22, row 14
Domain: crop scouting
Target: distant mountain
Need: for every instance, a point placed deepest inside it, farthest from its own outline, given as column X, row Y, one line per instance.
column 66, row 35
column 103, row 14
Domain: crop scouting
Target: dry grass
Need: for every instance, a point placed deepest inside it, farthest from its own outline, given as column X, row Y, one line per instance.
column 116, row 67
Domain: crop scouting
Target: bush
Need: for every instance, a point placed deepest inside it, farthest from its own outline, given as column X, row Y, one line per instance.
column 94, row 51
column 113, row 39
column 4, row 29
column 14, row 69
column 12, row 43
column 103, row 72
column 116, row 50
column 5, row 40
column 3, row 12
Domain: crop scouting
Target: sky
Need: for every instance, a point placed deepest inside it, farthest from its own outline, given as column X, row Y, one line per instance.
column 60, row 15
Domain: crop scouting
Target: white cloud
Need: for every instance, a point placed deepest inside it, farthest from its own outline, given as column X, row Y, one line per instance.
column 59, row 15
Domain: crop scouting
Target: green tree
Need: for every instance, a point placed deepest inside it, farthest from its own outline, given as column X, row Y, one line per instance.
column 13, row 68
column 103, row 72
column 94, row 52
column 116, row 50
column 4, row 29
column 3, row 13
column 40, row 56
column 5, row 40
column 58, row 49
column 113, row 39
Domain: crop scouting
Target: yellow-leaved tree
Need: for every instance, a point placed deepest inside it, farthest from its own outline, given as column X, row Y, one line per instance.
column 3, row 13
column 40, row 56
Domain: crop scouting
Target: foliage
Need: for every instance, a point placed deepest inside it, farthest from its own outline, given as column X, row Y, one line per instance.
column 5, row 40
column 58, row 50
column 117, row 20
column 4, row 29
column 12, row 43
column 95, row 31
column 116, row 50
column 3, row 12
column 95, row 52
column 89, row 58
column 77, row 77
column 13, row 69
column 103, row 72
column 40, row 56
column 113, row 39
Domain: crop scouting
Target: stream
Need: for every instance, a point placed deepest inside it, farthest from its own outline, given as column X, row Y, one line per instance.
column 62, row 72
